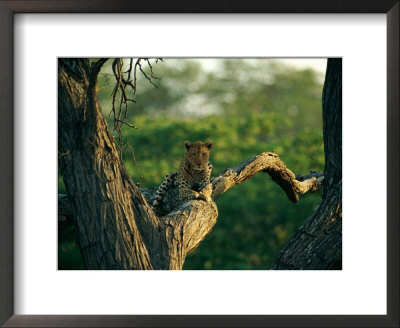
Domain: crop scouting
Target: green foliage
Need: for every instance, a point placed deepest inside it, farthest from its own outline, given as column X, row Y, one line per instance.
column 245, row 108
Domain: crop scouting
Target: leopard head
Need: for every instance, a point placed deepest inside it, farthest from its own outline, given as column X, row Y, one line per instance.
column 198, row 153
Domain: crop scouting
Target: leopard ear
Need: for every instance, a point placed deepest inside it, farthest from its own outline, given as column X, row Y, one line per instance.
column 209, row 144
column 188, row 144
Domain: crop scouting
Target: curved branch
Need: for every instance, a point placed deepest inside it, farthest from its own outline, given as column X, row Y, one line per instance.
column 270, row 163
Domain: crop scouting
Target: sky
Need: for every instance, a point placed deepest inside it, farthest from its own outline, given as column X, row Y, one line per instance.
column 315, row 63
column 318, row 64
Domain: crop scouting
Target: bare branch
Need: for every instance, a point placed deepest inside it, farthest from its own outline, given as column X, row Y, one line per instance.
column 265, row 162
column 151, row 70
column 129, row 71
column 128, row 124
column 149, row 79
column 120, row 95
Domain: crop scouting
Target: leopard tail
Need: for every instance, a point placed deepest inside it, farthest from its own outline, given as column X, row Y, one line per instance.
column 168, row 181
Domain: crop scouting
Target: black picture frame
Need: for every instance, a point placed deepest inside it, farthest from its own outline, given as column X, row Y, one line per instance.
column 11, row 7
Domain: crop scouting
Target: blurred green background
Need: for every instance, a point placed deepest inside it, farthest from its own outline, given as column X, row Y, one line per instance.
column 245, row 106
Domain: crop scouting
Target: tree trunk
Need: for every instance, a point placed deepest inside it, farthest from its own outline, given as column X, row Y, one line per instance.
column 317, row 245
column 107, row 216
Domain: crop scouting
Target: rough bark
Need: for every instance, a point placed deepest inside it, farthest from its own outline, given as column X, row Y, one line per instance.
column 317, row 245
column 100, row 190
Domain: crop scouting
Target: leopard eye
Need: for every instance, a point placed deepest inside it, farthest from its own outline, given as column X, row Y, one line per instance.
column 204, row 155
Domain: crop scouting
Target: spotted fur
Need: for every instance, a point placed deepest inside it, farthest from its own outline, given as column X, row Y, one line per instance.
column 193, row 175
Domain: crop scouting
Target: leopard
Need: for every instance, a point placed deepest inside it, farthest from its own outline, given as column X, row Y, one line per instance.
column 194, row 175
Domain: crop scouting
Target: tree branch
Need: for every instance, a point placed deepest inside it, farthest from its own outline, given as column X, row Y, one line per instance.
column 270, row 163
column 123, row 88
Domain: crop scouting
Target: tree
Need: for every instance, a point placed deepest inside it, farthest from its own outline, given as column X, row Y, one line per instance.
column 116, row 227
